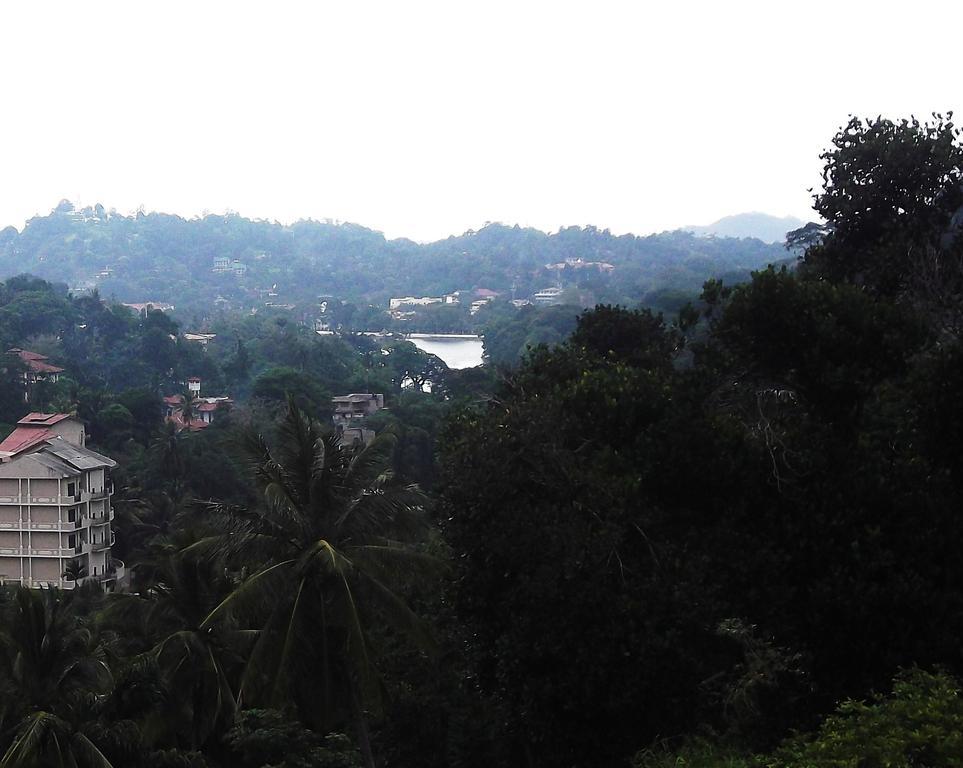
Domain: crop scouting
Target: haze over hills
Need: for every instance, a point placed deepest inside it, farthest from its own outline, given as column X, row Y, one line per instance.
column 763, row 226
column 193, row 262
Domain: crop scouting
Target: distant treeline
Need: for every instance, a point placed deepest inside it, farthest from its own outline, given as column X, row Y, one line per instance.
column 158, row 257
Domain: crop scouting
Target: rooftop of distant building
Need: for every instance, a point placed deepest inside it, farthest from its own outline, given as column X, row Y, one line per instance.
column 35, row 361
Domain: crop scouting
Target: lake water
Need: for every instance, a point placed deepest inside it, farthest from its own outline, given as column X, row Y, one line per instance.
column 457, row 351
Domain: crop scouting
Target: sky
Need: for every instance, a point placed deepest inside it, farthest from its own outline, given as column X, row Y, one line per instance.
column 425, row 119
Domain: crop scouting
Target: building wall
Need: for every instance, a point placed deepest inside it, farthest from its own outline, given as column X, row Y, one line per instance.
column 9, row 513
column 9, row 567
column 95, row 480
column 46, row 568
column 98, row 564
column 9, row 486
column 39, row 514
column 44, row 540
column 44, row 489
column 71, row 431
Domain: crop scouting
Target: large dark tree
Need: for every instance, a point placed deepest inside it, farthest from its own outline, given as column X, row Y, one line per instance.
column 893, row 203
column 567, row 504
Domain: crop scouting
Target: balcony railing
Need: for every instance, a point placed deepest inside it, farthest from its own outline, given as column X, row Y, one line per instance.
column 34, row 525
column 47, row 583
column 116, row 571
column 65, row 500
column 40, row 552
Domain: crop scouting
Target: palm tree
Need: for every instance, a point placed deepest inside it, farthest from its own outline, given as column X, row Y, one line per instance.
column 188, row 409
column 333, row 532
column 167, row 452
column 74, row 571
column 198, row 665
column 52, row 675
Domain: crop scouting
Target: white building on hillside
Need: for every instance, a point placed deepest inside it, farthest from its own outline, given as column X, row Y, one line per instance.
column 55, row 509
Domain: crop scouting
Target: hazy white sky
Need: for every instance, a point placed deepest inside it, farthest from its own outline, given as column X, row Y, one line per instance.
column 426, row 119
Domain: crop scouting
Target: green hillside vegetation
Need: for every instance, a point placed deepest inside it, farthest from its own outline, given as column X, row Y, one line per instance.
column 158, row 257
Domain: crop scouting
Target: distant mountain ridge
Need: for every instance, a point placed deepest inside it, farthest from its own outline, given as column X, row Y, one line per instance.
column 235, row 262
column 762, row 226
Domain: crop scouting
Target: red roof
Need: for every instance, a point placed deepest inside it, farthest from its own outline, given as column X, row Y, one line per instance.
column 34, row 361
column 40, row 367
column 22, row 438
column 37, row 419
column 32, row 429
column 25, row 354
column 195, row 425
column 174, row 399
column 207, row 407
column 485, row 293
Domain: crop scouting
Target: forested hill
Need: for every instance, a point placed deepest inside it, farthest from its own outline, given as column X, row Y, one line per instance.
column 159, row 257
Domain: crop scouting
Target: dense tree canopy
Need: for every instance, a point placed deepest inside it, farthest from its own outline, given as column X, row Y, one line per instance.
column 737, row 536
column 157, row 257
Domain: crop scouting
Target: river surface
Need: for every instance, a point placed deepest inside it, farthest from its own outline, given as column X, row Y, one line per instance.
column 457, row 351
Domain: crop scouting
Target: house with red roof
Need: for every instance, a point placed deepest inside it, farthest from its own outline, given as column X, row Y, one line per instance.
column 202, row 411
column 34, row 428
column 35, row 369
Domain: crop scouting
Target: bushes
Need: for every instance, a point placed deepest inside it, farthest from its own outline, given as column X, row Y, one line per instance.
column 919, row 724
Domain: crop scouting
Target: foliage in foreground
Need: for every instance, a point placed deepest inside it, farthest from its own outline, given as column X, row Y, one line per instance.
column 919, row 724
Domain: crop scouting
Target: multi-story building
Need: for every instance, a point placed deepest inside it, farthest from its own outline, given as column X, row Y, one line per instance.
column 349, row 414
column 350, row 409
column 55, row 508
column 547, row 296
column 412, row 301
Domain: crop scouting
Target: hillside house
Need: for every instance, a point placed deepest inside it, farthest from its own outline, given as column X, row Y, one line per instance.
column 145, row 307
column 36, row 368
column 199, row 338
column 203, row 409
column 350, row 411
column 547, row 296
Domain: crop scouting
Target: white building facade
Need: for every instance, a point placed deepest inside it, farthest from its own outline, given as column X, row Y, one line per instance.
column 55, row 507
